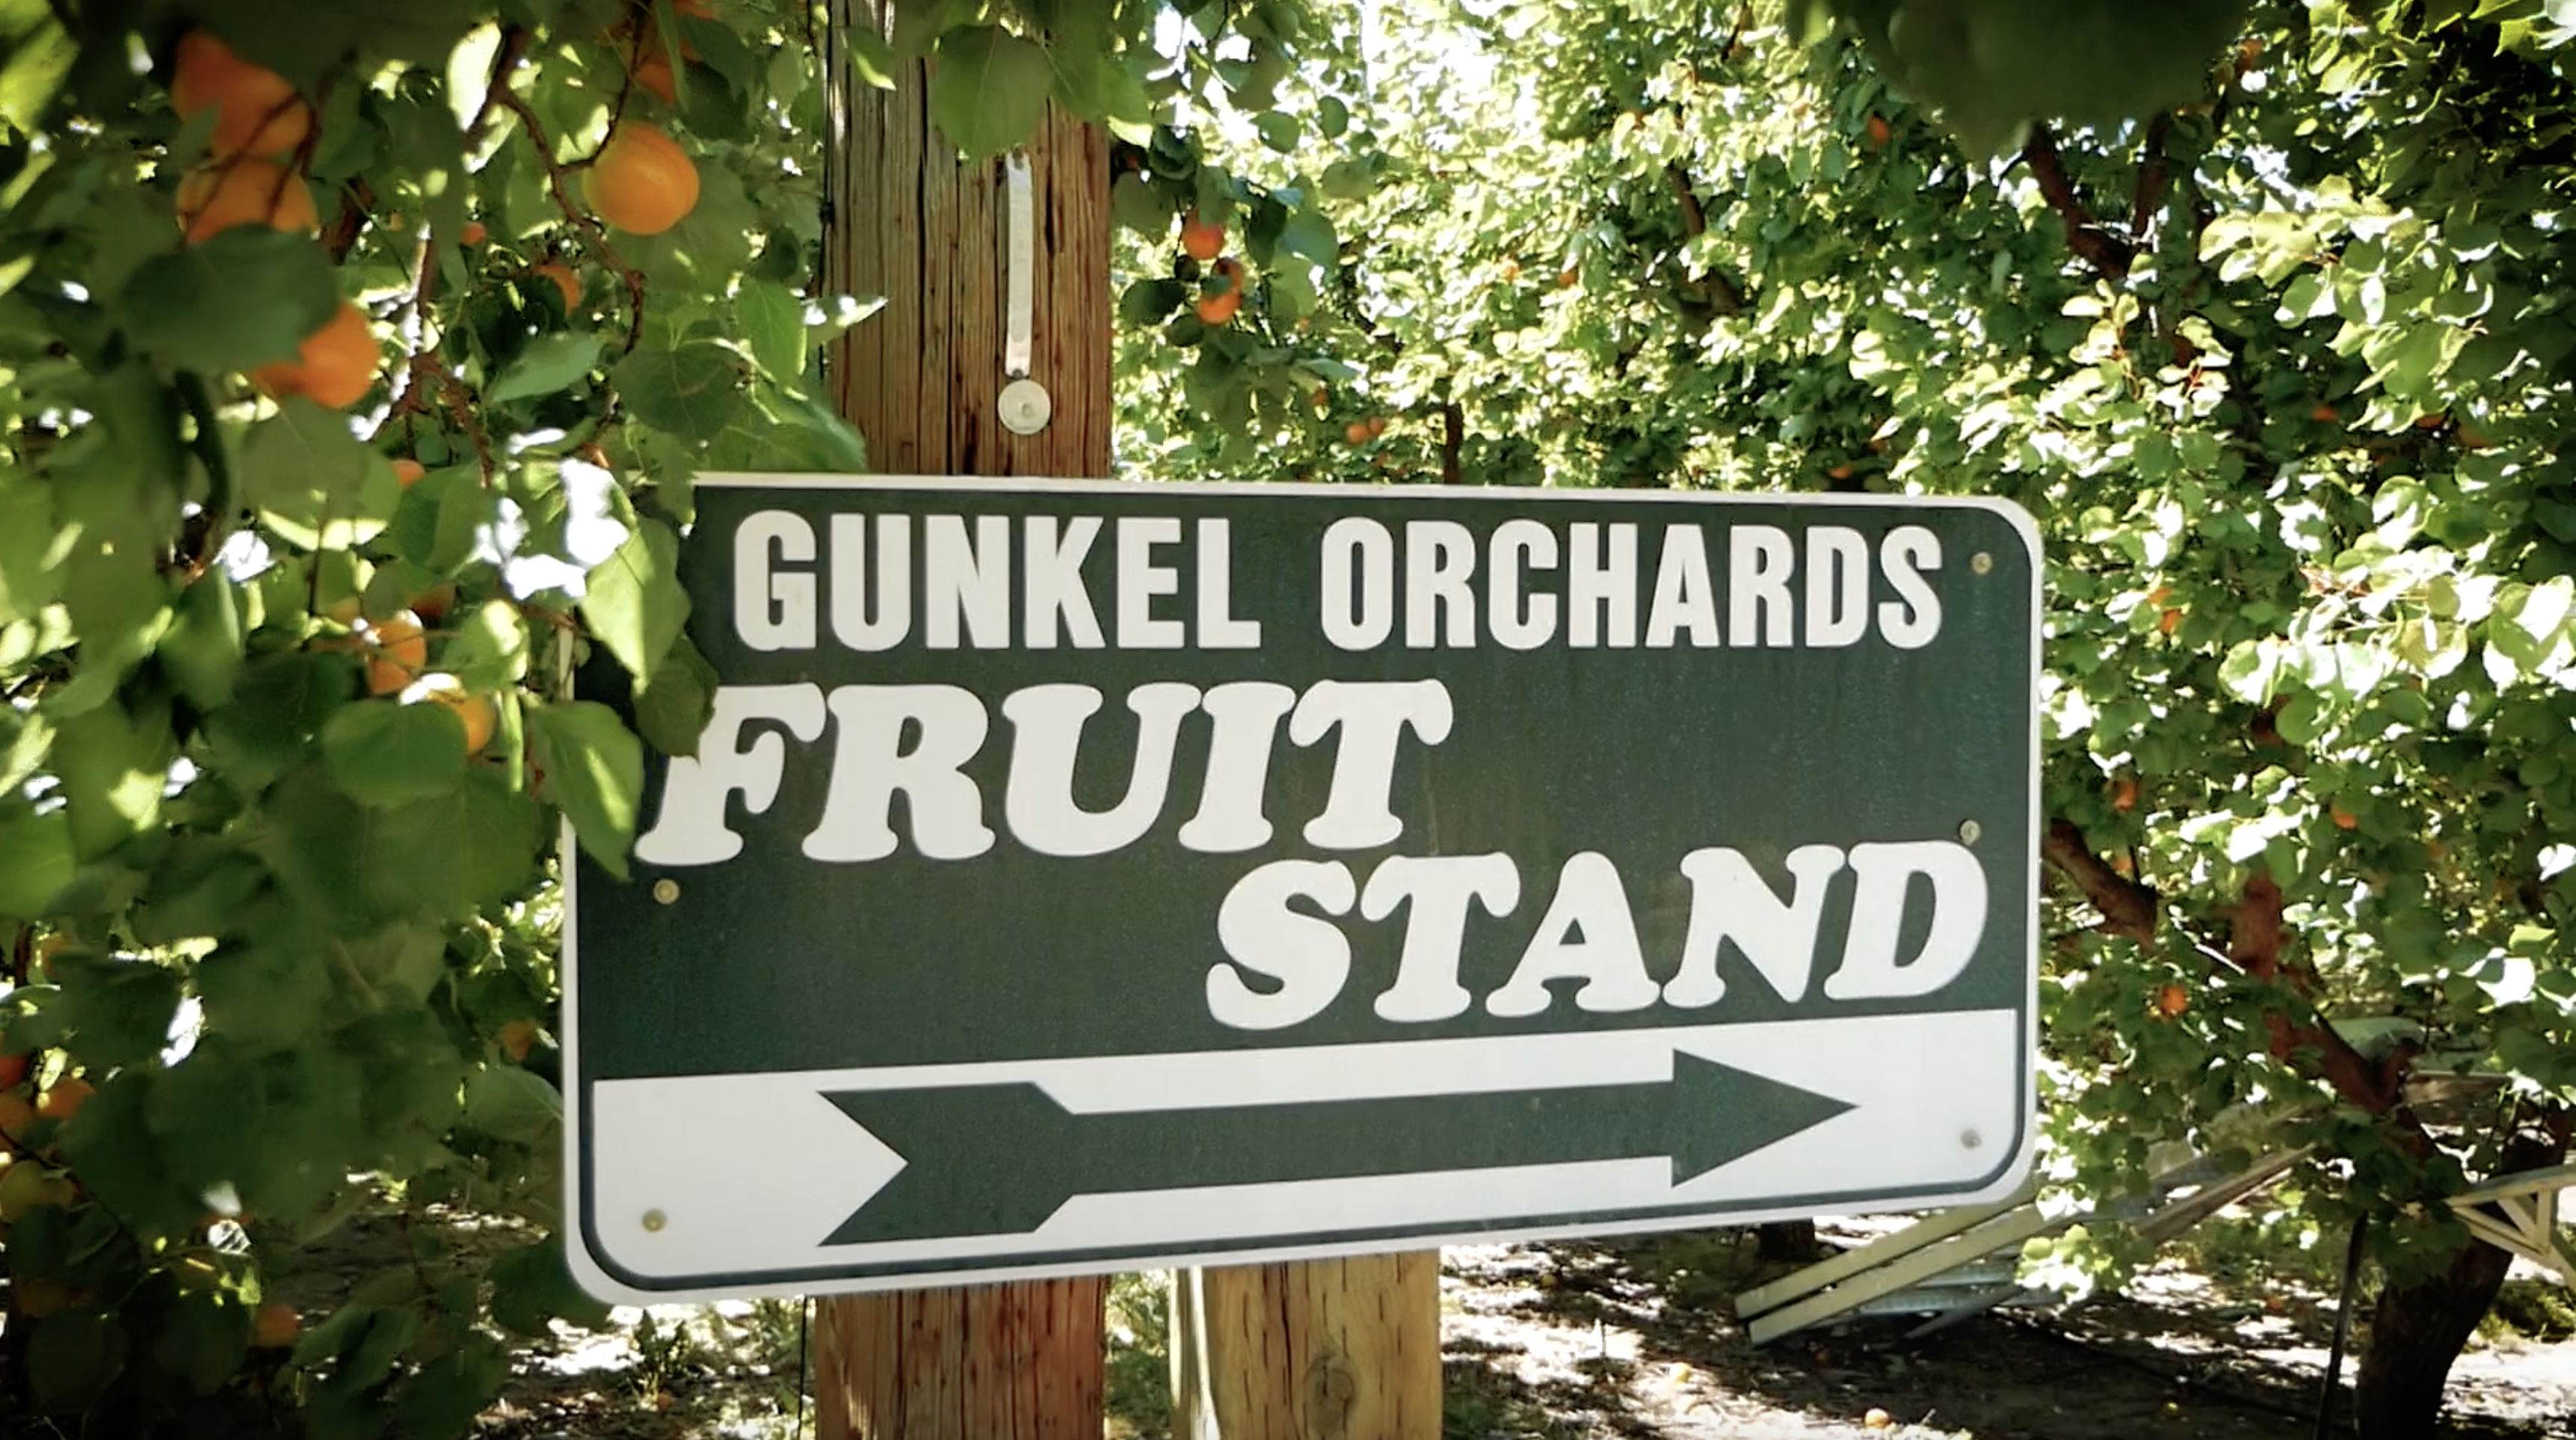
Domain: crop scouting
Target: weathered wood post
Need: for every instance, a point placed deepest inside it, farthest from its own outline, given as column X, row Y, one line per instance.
column 921, row 381
column 1345, row 1349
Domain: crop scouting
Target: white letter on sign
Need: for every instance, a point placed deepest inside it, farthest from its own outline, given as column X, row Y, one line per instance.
column 1870, row 970
column 1905, row 554
column 1054, row 582
column 966, row 581
column 1757, row 585
column 1372, row 716
column 850, row 622
column 1244, row 720
column 691, row 829
column 1308, row 956
column 1047, row 723
column 1140, row 580
column 1435, row 932
column 1515, row 544
column 773, row 612
column 1607, row 958
column 1837, row 586
column 1358, row 556
column 869, row 765
column 1730, row 901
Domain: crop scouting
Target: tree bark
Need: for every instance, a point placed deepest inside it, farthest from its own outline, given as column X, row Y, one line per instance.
column 1344, row 1349
column 2415, row 1334
column 921, row 381
column 1789, row 1241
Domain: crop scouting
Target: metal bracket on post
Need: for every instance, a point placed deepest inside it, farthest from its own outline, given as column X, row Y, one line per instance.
column 1024, row 403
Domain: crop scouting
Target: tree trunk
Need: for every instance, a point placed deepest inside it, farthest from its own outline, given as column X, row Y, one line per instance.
column 1788, row 1241
column 2415, row 1334
column 921, row 380
column 1344, row 1349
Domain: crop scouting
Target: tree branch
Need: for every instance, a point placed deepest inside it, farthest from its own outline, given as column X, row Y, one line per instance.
column 2106, row 252
column 2255, row 946
column 2128, row 906
column 1722, row 291
column 2154, row 173
column 592, row 235
column 1453, row 439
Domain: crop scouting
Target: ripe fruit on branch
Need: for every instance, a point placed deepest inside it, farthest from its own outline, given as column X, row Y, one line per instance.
column 565, row 280
column 653, row 74
column 64, row 1098
column 275, row 1327
column 473, row 234
column 2172, row 1000
column 478, row 713
column 642, row 182
column 518, row 1038
column 256, row 111
column 1200, row 240
column 400, row 652
column 333, row 367
column 1218, row 308
column 247, row 191
column 13, row 1068
column 408, row 471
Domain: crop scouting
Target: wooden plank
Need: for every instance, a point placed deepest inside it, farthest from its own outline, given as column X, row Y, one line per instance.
column 2521, row 1182
column 2183, row 1214
column 2010, row 1229
column 1939, row 1225
column 911, row 224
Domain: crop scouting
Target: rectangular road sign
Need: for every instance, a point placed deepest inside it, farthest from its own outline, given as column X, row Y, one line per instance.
column 1081, row 876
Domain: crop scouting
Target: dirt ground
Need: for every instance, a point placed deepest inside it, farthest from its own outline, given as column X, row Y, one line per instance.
column 1634, row 1340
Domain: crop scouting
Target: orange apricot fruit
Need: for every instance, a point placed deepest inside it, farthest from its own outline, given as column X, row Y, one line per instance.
column 256, row 111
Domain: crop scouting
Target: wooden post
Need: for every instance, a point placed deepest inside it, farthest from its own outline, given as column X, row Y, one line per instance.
column 1343, row 1349
column 919, row 379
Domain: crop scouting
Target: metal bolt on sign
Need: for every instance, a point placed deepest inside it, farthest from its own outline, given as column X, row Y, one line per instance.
column 1024, row 403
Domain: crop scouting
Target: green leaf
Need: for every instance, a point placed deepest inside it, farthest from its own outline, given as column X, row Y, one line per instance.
column 201, row 652
column 489, row 649
column 988, row 89
column 633, row 601
column 39, row 55
column 242, row 298
column 1332, row 117
column 1278, row 130
column 204, row 1339
column 689, row 391
column 1139, row 206
column 772, row 322
column 594, row 769
column 448, row 1392
column 871, row 59
column 509, row 1103
column 119, row 1011
column 385, row 753
column 1147, row 302
column 278, row 705
column 533, row 1287
column 1309, row 232
column 2250, row 670
column 72, row 1358
column 36, row 860
column 551, row 362
column 311, row 480
column 672, row 710
column 114, row 767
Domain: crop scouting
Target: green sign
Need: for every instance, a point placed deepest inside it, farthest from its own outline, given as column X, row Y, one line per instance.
column 1081, row 876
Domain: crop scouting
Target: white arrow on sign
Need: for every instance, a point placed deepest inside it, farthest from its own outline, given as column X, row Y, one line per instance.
column 735, row 1175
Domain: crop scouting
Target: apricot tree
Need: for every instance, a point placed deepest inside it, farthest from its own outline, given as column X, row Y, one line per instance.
column 2276, row 345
